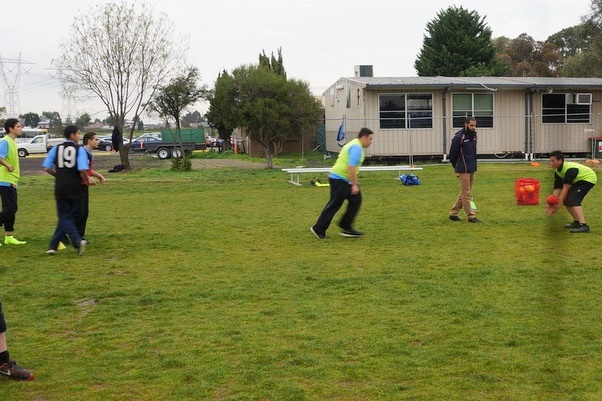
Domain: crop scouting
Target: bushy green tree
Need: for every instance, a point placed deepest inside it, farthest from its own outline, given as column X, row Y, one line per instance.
column 526, row 57
column 193, row 117
column 54, row 117
column 83, row 121
column 583, row 45
column 270, row 107
column 458, row 43
column 172, row 99
column 272, row 63
column 31, row 119
column 223, row 111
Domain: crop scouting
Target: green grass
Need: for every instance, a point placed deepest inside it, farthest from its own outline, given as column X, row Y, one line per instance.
column 208, row 285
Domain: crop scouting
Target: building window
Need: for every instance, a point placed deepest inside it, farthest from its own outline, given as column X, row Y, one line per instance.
column 478, row 105
column 565, row 108
column 406, row 110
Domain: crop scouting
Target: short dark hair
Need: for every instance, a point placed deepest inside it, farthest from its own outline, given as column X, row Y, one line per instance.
column 557, row 154
column 469, row 119
column 69, row 130
column 364, row 132
column 88, row 136
column 10, row 123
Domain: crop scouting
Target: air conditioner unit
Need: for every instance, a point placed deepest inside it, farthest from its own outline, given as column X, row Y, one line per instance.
column 583, row 98
column 363, row 71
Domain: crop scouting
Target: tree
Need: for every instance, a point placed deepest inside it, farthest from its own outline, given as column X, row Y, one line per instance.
column 83, row 121
column 223, row 111
column 270, row 107
column 458, row 43
column 526, row 57
column 583, row 45
column 276, row 65
column 194, row 117
column 31, row 119
column 121, row 53
column 54, row 117
column 181, row 92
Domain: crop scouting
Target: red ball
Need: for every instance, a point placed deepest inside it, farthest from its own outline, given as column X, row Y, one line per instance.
column 552, row 200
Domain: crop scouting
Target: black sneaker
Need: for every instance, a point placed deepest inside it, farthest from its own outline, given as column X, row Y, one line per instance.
column 319, row 236
column 351, row 233
column 15, row 372
column 454, row 218
column 474, row 220
column 583, row 228
column 574, row 224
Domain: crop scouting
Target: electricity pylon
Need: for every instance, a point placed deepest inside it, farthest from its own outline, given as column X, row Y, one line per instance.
column 10, row 71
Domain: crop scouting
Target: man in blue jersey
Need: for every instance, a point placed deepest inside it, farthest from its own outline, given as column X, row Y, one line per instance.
column 68, row 163
column 572, row 181
column 344, row 186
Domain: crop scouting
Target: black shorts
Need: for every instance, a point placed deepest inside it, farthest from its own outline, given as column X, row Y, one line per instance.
column 577, row 192
column 2, row 321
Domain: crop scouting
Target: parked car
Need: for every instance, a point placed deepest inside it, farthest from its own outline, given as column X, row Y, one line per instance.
column 213, row 142
column 151, row 134
column 105, row 144
column 139, row 144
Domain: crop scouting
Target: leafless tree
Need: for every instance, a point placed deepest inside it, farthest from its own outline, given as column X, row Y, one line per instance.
column 121, row 53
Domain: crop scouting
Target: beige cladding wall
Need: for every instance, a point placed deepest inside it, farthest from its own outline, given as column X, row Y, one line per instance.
column 511, row 132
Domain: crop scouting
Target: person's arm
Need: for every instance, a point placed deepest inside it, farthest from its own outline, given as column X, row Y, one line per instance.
column 561, row 188
column 100, row 177
column 454, row 151
column 355, row 155
column 48, row 163
column 83, row 164
column 3, row 154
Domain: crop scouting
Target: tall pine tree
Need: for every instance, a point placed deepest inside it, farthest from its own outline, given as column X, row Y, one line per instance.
column 458, row 43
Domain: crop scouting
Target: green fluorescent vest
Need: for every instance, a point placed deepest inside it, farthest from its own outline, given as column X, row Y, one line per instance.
column 342, row 164
column 585, row 173
column 12, row 158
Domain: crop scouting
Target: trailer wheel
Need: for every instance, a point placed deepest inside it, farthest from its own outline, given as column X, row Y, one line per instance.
column 176, row 153
column 163, row 153
column 22, row 152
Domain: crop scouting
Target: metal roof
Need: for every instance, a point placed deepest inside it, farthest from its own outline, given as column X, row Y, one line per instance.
column 483, row 83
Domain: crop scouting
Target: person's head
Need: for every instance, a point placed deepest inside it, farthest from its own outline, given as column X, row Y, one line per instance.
column 12, row 126
column 71, row 130
column 556, row 159
column 470, row 124
column 91, row 140
column 365, row 136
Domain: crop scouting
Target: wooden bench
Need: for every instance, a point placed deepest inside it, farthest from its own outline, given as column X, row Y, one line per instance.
column 297, row 171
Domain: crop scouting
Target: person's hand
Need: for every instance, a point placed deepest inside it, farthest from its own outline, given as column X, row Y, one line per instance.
column 10, row 169
column 355, row 189
column 91, row 181
column 551, row 209
column 101, row 178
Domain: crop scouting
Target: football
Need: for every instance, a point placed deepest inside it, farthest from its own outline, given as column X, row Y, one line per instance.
column 552, row 200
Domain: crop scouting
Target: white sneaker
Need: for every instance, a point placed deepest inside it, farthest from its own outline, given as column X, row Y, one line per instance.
column 82, row 247
column 51, row 252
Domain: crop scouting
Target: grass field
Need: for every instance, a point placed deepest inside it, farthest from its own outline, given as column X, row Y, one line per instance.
column 208, row 285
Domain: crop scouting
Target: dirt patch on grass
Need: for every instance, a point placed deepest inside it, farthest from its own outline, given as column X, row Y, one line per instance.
column 206, row 164
column 103, row 162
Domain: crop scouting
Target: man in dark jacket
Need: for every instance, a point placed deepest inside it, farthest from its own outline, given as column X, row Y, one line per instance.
column 463, row 157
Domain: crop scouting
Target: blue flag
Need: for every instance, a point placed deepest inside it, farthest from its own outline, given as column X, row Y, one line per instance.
column 341, row 134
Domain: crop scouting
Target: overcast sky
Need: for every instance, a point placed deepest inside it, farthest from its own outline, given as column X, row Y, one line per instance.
column 321, row 40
